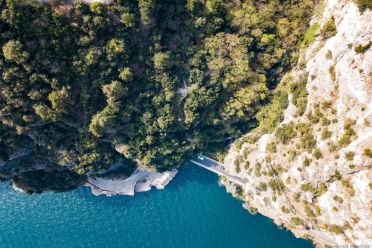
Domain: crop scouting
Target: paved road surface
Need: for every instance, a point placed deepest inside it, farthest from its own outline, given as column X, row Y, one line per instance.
column 216, row 167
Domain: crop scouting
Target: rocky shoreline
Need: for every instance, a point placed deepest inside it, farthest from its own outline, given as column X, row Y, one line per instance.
column 139, row 181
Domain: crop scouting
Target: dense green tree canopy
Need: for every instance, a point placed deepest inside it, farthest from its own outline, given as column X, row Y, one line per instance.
column 158, row 78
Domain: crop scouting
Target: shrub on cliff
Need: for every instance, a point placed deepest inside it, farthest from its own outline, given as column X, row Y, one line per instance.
column 329, row 29
column 285, row 133
column 363, row 4
column 296, row 221
column 363, row 48
column 367, row 152
column 336, row 229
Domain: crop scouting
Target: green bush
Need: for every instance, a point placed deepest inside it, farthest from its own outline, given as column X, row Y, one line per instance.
column 347, row 184
column 332, row 72
column 336, row 229
column 297, row 221
column 361, row 48
column 262, row 186
column 246, row 165
column 301, row 106
column 363, row 4
column 349, row 156
column 329, row 54
column 308, row 142
column 317, row 154
column 332, row 147
column 326, row 134
column 303, row 128
column 307, row 139
column 237, row 162
column 309, row 212
column 307, row 187
column 284, row 209
column 299, row 96
column 349, row 123
column 348, row 133
column 322, row 188
column 313, row 118
column 325, row 121
column 338, row 199
column 318, row 212
column 311, row 33
column 367, row 152
column 297, row 196
column 245, row 153
column 347, row 225
column 285, row 133
column 306, row 162
column 276, row 186
column 237, row 168
column 271, row 147
column 337, row 176
column 272, row 114
column 257, row 169
column 329, row 29
column 292, row 154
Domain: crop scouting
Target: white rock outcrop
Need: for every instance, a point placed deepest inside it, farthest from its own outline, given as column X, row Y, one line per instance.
column 139, row 181
column 328, row 198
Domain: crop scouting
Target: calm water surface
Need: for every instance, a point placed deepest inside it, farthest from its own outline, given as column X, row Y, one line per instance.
column 192, row 212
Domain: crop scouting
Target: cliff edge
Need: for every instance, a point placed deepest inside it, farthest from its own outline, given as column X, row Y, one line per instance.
column 312, row 172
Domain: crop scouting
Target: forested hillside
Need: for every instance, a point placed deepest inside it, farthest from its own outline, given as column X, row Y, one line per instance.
column 161, row 78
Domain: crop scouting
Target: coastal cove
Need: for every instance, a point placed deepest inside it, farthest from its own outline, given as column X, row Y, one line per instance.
column 192, row 211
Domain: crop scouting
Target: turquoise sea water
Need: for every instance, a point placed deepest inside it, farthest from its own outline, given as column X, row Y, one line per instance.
column 192, row 212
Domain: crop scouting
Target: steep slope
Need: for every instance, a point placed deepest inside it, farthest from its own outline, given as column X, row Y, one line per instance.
column 312, row 173
column 160, row 80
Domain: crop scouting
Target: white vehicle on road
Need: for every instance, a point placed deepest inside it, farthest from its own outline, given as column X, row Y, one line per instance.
column 200, row 157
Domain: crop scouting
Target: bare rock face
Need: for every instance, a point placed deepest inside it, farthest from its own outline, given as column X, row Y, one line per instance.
column 313, row 173
column 139, row 181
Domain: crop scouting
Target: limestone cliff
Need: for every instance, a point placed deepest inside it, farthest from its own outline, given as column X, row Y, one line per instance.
column 312, row 174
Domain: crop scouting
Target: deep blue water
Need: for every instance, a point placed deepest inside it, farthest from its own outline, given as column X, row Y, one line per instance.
column 193, row 211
